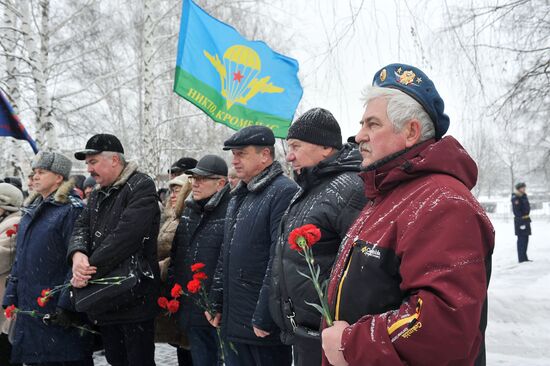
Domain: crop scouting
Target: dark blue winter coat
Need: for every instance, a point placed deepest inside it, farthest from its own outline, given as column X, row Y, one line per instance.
column 42, row 242
column 251, row 231
column 198, row 238
column 521, row 208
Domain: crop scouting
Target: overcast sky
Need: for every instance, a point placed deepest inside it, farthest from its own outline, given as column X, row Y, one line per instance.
column 339, row 53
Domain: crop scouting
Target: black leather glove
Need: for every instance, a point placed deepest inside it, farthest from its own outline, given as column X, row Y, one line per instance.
column 63, row 318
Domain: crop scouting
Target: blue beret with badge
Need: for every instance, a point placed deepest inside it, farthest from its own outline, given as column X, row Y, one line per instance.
column 250, row 136
column 413, row 82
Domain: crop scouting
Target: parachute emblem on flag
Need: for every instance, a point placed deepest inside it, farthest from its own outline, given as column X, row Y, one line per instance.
column 239, row 75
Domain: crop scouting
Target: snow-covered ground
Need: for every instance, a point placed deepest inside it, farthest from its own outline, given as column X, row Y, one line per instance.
column 518, row 331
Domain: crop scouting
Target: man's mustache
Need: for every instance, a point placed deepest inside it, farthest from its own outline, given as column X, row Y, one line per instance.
column 364, row 147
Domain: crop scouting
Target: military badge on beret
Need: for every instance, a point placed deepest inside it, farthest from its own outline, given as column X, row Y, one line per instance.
column 383, row 75
column 415, row 83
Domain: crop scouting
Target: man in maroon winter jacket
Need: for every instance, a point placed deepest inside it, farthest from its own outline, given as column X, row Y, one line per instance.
column 410, row 283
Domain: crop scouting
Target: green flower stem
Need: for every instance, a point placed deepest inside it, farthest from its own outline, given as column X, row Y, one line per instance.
column 36, row 314
column 205, row 305
column 308, row 255
column 117, row 280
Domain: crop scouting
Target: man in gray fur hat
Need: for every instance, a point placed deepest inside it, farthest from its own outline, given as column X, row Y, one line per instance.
column 40, row 263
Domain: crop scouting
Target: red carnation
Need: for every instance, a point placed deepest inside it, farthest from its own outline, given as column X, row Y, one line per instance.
column 162, row 302
column 309, row 234
column 10, row 310
column 42, row 301
column 173, row 306
column 194, row 286
column 45, row 292
column 197, row 267
column 200, row 276
column 176, row 291
column 302, row 239
column 10, row 233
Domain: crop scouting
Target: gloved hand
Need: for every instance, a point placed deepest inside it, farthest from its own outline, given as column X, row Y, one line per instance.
column 522, row 227
column 61, row 317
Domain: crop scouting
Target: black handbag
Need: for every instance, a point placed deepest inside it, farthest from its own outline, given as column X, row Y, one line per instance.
column 102, row 297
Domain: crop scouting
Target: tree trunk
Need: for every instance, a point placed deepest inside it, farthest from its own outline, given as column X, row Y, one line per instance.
column 149, row 160
column 14, row 147
column 46, row 138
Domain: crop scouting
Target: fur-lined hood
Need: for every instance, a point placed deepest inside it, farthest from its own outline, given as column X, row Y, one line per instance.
column 180, row 202
column 61, row 196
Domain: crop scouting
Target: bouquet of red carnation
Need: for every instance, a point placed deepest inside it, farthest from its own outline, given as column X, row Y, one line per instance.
column 173, row 305
column 195, row 286
column 301, row 240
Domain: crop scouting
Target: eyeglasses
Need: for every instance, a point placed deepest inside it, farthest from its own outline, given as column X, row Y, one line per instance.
column 200, row 179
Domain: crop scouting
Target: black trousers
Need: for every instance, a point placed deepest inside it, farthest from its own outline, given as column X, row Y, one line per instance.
column 307, row 352
column 523, row 240
column 252, row 355
column 5, row 351
column 130, row 344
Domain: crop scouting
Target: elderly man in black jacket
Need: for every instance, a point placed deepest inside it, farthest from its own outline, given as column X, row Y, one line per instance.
column 198, row 239
column 330, row 197
column 119, row 225
column 242, row 282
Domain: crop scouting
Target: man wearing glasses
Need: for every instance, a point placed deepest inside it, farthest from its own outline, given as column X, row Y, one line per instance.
column 198, row 239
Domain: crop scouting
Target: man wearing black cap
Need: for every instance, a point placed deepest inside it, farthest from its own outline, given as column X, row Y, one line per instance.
column 119, row 226
column 409, row 285
column 180, row 166
column 330, row 197
column 198, row 239
column 522, row 221
column 241, row 286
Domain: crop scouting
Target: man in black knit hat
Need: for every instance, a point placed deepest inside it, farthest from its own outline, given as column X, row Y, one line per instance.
column 330, row 197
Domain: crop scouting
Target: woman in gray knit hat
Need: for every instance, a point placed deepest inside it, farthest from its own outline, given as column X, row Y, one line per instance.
column 11, row 199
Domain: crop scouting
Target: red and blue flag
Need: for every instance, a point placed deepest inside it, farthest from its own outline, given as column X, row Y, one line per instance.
column 10, row 124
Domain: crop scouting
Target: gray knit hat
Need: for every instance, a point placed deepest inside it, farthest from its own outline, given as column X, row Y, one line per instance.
column 317, row 126
column 11, row 198
column 54, row 162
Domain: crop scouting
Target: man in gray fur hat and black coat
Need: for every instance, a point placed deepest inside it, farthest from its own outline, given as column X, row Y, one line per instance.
column 119, row 227
column 330, row 197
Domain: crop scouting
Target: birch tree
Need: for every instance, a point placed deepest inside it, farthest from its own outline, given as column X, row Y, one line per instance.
column 506, row 45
